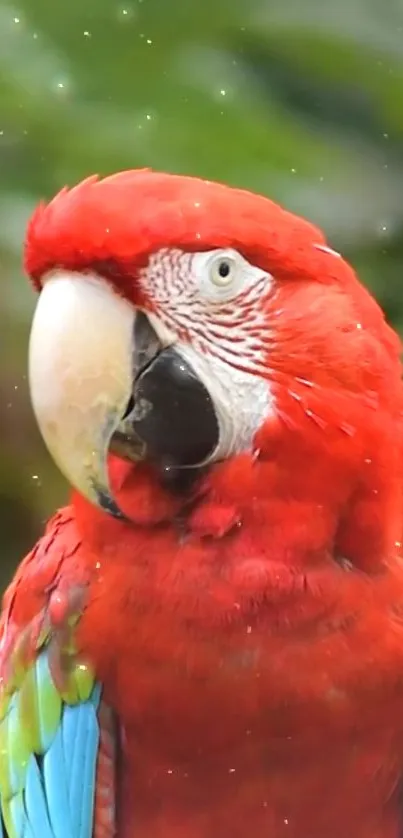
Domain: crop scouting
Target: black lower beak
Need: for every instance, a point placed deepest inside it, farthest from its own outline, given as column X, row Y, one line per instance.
column 172, row 413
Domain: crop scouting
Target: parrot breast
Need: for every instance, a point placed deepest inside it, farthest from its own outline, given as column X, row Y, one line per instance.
column 255, row 688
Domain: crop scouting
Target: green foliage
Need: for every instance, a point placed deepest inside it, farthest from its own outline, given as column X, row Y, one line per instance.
column 301, row 101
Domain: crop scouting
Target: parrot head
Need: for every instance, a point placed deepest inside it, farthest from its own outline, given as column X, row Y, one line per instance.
column 184, row 323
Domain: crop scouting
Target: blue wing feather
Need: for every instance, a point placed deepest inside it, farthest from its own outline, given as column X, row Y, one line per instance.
column 52, row 794
column 73, row 732
column 89, row 775
column 36, row 810
column 55, row 782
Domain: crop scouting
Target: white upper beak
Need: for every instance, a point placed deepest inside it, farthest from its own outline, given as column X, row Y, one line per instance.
column 80, row 374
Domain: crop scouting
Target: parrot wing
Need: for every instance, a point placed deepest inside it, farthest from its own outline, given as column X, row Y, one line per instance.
column 56, row 745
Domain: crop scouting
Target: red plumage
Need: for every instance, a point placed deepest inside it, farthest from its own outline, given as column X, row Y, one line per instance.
column 251, row 642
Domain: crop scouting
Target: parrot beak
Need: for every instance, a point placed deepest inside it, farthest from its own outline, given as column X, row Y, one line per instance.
column 80, row 376
column 102, row 379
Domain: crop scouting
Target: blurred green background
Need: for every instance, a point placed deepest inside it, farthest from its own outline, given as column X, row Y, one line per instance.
column 300, row 100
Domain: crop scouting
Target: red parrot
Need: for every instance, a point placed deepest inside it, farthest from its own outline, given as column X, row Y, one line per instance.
column 208, row 640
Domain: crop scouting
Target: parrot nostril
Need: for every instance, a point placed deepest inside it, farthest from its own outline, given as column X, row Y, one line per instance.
column 146, row 344
column 129, row 408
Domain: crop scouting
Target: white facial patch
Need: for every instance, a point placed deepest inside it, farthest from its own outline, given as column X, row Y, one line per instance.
column 211, row 306
column 225, row 320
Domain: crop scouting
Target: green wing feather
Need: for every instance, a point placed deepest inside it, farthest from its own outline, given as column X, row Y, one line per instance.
column 41, row 678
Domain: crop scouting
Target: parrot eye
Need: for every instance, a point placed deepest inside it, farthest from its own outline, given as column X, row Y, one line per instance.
column 222, row 271
column 223, row 274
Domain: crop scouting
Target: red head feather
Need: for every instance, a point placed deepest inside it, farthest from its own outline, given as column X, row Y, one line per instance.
column 120, row 220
